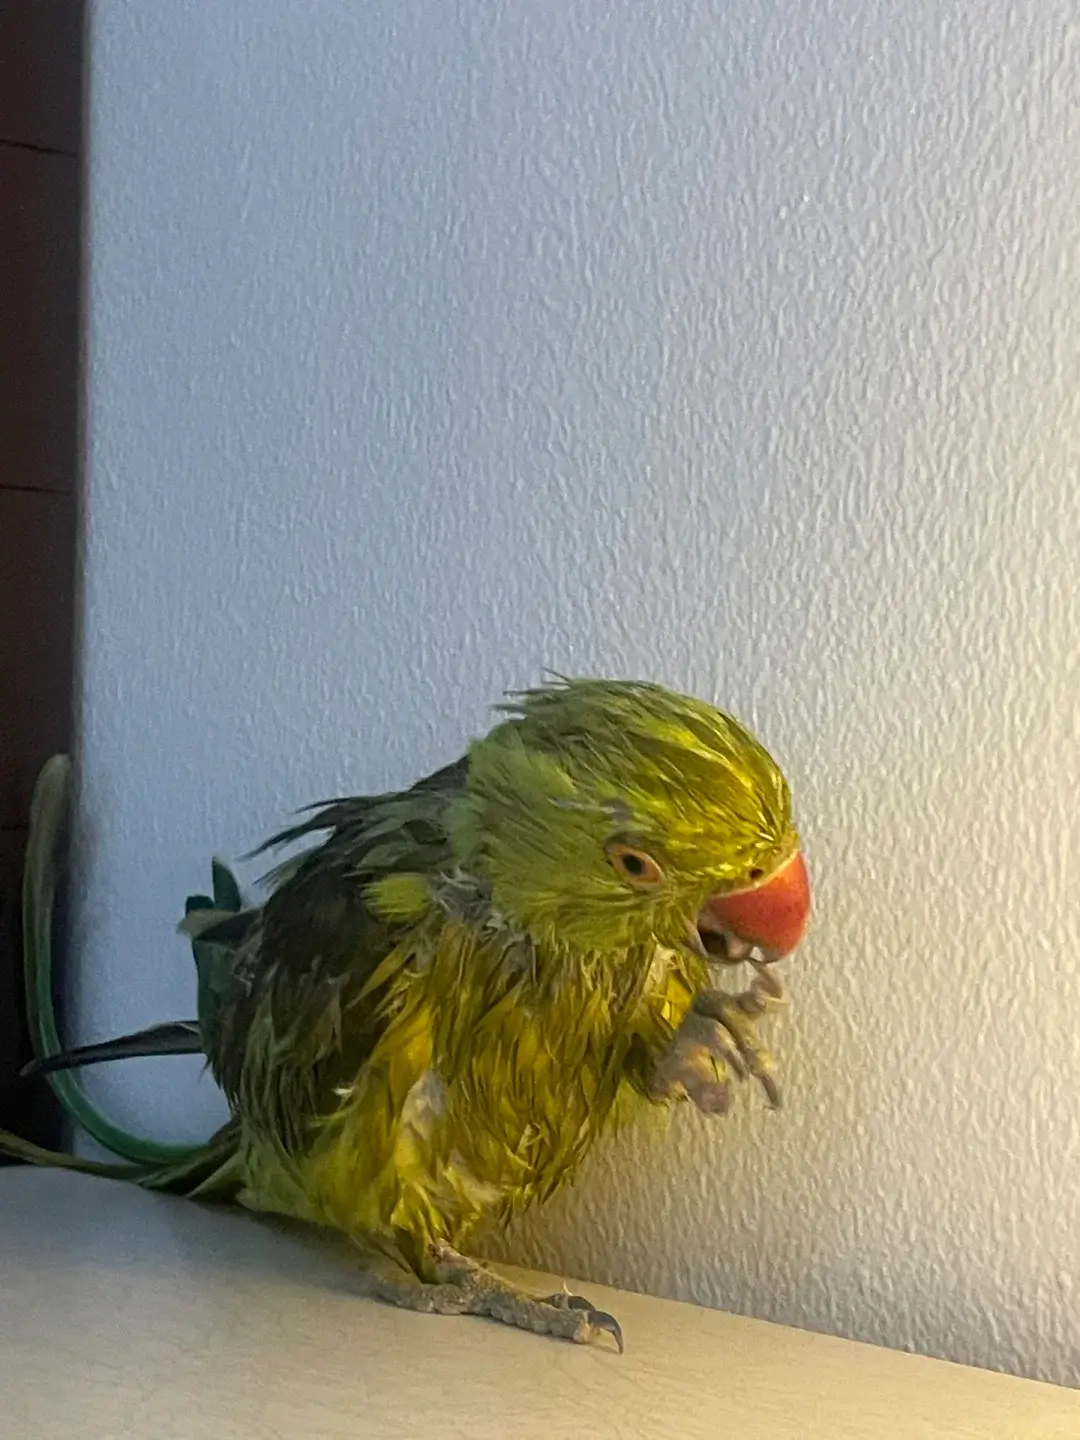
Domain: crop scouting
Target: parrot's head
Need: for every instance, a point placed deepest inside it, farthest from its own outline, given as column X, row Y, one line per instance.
column 603, row 814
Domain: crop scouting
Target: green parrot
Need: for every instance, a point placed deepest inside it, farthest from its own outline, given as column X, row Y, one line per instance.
column 443, row 1003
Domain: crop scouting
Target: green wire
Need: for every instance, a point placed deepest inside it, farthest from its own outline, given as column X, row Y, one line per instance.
column 47, row 806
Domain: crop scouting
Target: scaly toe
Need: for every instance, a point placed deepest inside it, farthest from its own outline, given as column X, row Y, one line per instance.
column 737, row 1014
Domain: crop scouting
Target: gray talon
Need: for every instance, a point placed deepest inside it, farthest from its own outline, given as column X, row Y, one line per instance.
column 597, row 1319
column 772, row 1090
column 731, row 1057
column 601, row 1320
column 565, row 1301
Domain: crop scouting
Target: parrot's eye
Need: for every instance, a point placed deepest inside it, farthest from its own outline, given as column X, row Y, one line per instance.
column 635, row 866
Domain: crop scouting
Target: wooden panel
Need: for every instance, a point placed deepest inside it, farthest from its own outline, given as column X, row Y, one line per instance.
column 40, row 72
column 39, row 326
column 36, row 624
column 40, row 103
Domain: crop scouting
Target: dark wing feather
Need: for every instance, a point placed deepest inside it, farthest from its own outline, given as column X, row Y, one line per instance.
column 349, row 815
column 290, row 1032
column 175, row 1037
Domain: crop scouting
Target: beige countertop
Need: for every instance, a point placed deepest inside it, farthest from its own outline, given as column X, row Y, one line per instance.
column 131, row 1315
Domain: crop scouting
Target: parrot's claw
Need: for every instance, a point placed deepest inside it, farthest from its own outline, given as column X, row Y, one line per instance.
column 464, row 1287
column 698, row 1064
column 598, row 1320
column 718, row 1039
column 737, row 1015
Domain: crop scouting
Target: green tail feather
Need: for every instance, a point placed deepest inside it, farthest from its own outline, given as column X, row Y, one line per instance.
column 47, row 808
column 20, row 1149
column 206, row 1172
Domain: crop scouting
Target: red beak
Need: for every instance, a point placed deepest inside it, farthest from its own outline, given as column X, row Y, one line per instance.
column 773, row 913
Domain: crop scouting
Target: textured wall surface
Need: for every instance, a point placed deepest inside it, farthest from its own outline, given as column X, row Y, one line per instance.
column 735, row 346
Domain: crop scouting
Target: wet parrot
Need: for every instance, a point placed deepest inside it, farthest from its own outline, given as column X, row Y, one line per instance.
column 449, row 992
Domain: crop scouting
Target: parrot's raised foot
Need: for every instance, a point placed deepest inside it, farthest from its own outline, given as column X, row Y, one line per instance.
column 463, row 1287
column 718, row 1039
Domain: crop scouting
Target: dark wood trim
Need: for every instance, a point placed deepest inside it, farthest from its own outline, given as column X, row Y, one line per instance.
column 41, row 55
column 40, row 229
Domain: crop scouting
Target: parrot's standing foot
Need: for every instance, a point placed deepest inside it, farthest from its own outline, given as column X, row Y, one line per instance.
column 718, row 1039
column 464, row 1287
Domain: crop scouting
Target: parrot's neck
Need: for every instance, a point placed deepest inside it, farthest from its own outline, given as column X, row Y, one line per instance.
column 544, row 966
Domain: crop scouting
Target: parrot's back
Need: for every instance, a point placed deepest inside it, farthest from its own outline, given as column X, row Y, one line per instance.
column 287, row 1013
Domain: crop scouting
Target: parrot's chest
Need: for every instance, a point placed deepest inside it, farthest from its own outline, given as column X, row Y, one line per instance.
column 473, row 1105
column 514, row 1111
column 505, row 1131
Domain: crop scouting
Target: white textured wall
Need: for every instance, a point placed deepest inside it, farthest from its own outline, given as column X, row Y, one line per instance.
column 732, row 345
